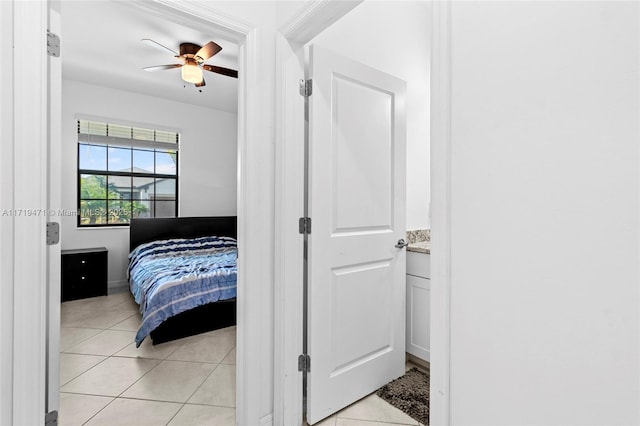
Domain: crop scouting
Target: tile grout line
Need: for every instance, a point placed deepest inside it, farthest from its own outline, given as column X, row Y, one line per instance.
column 117, row 350
column 83, row 340
column 176, row 413
column 139, row 378
column 99, row 411
column 200, row 385
column 75, row 377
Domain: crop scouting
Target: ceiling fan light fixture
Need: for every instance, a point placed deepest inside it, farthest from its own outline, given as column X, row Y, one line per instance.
column 192, row 58
column 192, row 73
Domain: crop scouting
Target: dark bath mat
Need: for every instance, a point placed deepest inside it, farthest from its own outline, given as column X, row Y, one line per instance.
column 409, row 393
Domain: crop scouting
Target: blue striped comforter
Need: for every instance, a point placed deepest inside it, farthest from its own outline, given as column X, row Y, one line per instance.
column 172, row 276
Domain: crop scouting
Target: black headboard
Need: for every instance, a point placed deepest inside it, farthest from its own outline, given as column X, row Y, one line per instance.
column 146, row 230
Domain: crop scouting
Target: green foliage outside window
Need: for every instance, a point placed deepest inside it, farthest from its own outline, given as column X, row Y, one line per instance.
column 102, row 204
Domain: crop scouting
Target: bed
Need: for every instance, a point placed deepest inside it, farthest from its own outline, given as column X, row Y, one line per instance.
column 174, row 306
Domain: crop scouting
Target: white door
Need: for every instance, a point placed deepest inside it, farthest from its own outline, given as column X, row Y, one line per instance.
column 356, row 278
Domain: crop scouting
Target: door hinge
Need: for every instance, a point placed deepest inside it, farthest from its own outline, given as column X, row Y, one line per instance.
column 53, row 233
column 306, row 87
column 53, row 44
column 51, row 418
column 304, row 225
column 304, row 363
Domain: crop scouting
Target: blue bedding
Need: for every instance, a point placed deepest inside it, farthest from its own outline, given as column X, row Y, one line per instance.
column 172, row 276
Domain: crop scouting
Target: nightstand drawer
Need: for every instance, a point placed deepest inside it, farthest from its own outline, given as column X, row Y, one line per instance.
column 84, row 273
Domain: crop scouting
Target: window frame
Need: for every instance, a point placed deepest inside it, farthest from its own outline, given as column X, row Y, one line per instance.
column 143, row 146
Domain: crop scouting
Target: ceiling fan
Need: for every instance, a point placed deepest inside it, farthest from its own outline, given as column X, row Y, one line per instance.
column 193, row 57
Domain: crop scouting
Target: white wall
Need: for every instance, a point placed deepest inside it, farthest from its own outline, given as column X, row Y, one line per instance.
column 544, row 248
column 207, row 160
column 394, row 37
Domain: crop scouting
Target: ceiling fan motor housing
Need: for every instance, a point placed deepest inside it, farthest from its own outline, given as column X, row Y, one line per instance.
column 189, row 50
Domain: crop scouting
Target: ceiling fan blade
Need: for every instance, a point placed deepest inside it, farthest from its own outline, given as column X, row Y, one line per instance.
column 202, row 83
column 162, row 67
column 208, row 50
column 157, row 45
column 221, row 70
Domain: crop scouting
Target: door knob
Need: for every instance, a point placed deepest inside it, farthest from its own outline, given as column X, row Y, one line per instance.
column 401, row 243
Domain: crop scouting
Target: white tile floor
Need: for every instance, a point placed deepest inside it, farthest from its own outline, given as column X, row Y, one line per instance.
column 106, row 380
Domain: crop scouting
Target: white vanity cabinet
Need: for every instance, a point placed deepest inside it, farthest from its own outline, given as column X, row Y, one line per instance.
column 418, row 304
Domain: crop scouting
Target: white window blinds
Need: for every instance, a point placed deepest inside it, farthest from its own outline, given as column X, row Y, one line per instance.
column 100, row 133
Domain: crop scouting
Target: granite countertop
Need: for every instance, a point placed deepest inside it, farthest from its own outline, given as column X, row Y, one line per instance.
column 419, row 241
column 420, row 247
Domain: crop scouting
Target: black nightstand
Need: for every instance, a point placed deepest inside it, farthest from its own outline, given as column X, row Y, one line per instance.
column 84, row 273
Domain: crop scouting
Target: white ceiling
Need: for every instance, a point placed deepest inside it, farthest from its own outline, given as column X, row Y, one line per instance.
column 101, row 45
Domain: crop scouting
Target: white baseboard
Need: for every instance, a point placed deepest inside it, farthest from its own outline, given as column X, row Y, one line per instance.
column 267, row 420
column 117, row 286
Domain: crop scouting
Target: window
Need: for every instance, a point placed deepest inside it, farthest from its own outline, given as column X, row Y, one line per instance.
column 125, row 172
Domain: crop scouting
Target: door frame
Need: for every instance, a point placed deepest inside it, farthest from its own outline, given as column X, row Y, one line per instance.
column 440, row 330
column 313, row 18
column 253, row 286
